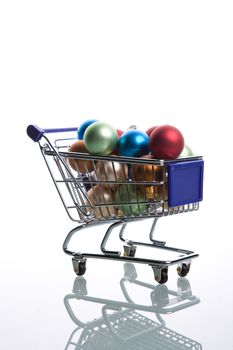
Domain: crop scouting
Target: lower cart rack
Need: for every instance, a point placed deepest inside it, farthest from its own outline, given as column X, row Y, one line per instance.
column 118, row 190
column 160, row 267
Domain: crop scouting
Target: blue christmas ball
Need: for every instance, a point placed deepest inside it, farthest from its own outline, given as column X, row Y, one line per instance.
column 83, row 127
column 133, row 143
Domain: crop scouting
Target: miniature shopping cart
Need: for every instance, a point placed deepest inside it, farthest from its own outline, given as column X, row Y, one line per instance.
column 106, row 196
column 127, row 324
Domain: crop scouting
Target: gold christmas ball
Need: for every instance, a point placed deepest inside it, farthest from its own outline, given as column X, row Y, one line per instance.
column 147, row 172
column 156, row 193
column 79, row 165
column 101, row 195
column 111, row 171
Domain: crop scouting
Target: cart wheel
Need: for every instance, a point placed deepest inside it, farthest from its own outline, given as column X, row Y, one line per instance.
column 183, row 269
column 160, row 274
column 130, row 250
column 79, row 266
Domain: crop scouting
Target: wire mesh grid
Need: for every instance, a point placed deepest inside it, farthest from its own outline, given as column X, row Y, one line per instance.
column 131, row 331
column 94, row 188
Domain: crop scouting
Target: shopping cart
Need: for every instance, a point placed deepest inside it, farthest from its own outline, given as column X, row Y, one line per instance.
column 127, row 324
column 119, row 197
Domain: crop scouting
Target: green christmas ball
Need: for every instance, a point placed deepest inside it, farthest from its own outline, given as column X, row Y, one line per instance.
column 187, row 152
column 128, row 194
column 100, row 138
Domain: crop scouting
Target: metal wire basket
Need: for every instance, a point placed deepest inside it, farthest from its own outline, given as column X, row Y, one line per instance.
column 117, row 190
column 121, row 187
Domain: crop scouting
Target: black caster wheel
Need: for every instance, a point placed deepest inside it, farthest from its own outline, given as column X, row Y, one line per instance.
column 79, row 266
column 183, row 269
column 130, row 250
column 160, row 274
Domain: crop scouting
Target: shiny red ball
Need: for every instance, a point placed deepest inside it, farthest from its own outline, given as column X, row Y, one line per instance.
column 166, row 142
column 119, row 133
column 150, row 130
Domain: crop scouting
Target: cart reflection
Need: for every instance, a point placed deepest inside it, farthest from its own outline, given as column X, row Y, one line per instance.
column 127, row 324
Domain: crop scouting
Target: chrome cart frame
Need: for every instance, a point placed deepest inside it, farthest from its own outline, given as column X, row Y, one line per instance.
column 175, row 187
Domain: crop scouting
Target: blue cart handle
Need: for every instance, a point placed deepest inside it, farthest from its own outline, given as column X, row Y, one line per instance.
column 36, row 133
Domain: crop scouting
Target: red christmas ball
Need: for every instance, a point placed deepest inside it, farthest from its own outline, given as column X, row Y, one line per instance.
column 119, row 133
column 166, row 142
column 150, row 130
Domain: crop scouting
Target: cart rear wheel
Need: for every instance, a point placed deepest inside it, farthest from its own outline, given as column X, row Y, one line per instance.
column 130, row 250
column 183, row 269
column 79, row 266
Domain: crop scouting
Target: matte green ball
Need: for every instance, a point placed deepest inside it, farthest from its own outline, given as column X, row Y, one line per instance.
column 127, row 194
column 100, row 138
column 187, row 152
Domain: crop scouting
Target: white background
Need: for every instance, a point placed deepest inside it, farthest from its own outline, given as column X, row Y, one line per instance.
column 123, row 62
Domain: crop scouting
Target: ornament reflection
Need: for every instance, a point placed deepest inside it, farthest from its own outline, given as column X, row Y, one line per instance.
column 128, row 325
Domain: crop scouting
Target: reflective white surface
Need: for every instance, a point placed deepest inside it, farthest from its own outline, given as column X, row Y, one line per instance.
column 129, row 322
column 114, row 305
column 125, row 62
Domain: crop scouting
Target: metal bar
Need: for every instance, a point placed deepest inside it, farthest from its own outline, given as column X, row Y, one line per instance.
column 106, row 237
column 115, row 158
column 159, row 263
column 162, row 243
column 57, row 188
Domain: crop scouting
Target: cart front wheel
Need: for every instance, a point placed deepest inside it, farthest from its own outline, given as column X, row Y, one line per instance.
column 79, row 266
column 160, row 274
column 183, row 269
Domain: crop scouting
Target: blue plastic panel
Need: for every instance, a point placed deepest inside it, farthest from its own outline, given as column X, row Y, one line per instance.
column 185, row 182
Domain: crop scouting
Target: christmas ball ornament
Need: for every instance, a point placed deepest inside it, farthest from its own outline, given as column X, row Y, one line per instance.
column 99, row 195
column 156, row 193
column 100, row 138
column 127, row 194
column 119, row 133
column 147, row 172
column 133, row 143
column 132, row 127
column 86, row 180
column 82, row 166
column 111, row 171
column 83, row 127
column 187, row 152
column 149, row 131
column 166, row 142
